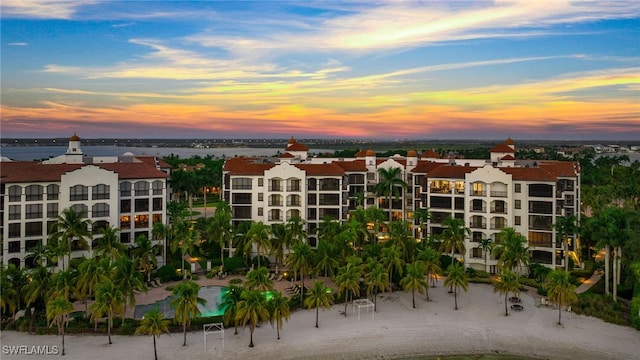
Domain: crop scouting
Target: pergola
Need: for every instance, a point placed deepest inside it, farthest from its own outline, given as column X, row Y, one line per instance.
column 363, row 303
column 213, row 328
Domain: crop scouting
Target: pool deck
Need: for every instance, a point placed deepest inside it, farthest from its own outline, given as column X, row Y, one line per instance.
column 154, row 294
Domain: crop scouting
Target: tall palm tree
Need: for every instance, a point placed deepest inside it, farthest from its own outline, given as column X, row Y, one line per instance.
column 259, row 234
column 128, row 280
column 64, row 283
column 565, row 226
column 220, row 227
column 456, row 278
column 318, row 297
column 421, row 216
column 392, row 260
column 183, row 237
column 348, row 280
column 512, row 251
column 14, row 278
column 35, row 292
column 230, row 300
column 414, row 280
column 400, row 236
column 258, row 279
column 252, row 309
column 390, row 184
column 560, row 290
column 109, row 245
column 71, row 226
column 186, row 304
column 326, row 259
column 109, row 301
column 301, row 259
column 91, row 272
column 453, row 236
column 486, row 245
column 377, row 280
column 507, row 283
column 431, row 259
column 9, row 296
column 296, row 230
column 374, row 216
column 279, row 310
column 146, row 255
column 58, row 310
column 153, row 324
column 279, row 240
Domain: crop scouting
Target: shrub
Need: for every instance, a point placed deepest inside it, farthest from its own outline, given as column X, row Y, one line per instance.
column 167, row 273
column 600, row 306
column 129, row 327
column 234, row 263
column 264, row 262
column 210, row 275
column 195, row 277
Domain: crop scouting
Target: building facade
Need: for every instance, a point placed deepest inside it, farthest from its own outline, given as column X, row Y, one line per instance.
column 127, row 192
column 488, row 194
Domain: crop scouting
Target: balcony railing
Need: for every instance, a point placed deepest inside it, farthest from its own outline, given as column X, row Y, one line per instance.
column 478, row 193
column 478, row 225
column 479, row 209
column 499, row 193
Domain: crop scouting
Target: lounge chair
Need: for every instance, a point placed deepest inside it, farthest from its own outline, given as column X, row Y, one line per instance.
column 279, row 278
column 157, row 282
column 271, row 276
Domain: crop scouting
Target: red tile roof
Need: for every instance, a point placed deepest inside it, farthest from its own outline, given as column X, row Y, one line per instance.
column 424, row 167
column 450, row 172
column 331, row 169
column 503, row 148
column 508, row 157
column 352, row 166
column 249, row 168
column 286, row 156
column 293, row 145
column 430, row 154
column 529, row 174
column 24, row 171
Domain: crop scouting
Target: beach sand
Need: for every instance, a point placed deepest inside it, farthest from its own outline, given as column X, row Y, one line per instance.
column 396, row 331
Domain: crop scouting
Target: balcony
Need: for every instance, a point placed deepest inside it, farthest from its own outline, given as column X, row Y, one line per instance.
column 499, row 194
column 478, row 225
column 480, row 209
column 478, row 193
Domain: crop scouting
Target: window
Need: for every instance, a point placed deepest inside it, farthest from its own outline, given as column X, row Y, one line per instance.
column 517, row 187
column 81, row 209
column 14, row 212
column 125, row 238
column 260, row 211
column 260, row 196
column 311, row 214
column 141, row 221
column 15, row 193
column 33, row 228
column 32, row 244
column 141, row 188
column 53, row 191
column 440, row 186
column 518, row 204
column 293, row 200
column 540, row 190
column 441, row 202
column 33, row 211
column 78, row 192
column 275, row 215
column 275, row 200
column 14, row 247
column 14, row 230
column 241, row 184
column 260, row 181
column 311, row 184
column 157, row 204
column 329, row 199
column 293, row 185
column 241, row 198
column 329, row 184
column 142, row 205
column 98, row 226
column 34, row 192
column 51, row 227
column 311, row 199
column 518, row 220
column 459, row 203
column 157, row 187
column 100, row 192
column 275, row 185
column 476, row 253
column 125, row 206
column 156, row 218
column 100, row 210
column 125, row 222
column 52, row 210
column 330, row 213
column 125, row 188
column 478, row 189
column 242, row 212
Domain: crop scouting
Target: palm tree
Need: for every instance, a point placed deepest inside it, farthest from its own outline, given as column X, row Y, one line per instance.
column 9, row 296
column 186, row 304
column 230, row 300
column 348, row 280
column 127, row 279
column 252, row 309
column 414, row 280
column 453, row 236
column 377, row 280
column 512, row 251
column 560, row 290
column 318, row 297
column 145, row 253
column 507, row 283
column 71, row 226
column 110, row 301
column 326, row 259
column 431, row 259
column 58, row 310
column 63, row 283
column 456, row 278
column 153, row 324
column 220, row 227
column 400, row 236
column 109, row 245
column 486, row 245
column 392, row 260
column 279, row 310
column 565, row 226
column 421, row 216
column 35, row 292
column 258, row 234
column 301, row 259
column 183, row 237
column 258, row 279
column 91, row 272
column 390, row 184
column 295, row 229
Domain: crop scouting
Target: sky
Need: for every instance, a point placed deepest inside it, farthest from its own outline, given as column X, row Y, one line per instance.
column 548, row 69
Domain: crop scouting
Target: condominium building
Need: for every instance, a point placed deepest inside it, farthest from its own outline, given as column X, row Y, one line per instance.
column 488, row 194
column 127, row 192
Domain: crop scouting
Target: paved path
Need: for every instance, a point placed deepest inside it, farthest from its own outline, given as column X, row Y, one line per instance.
column 587, row 284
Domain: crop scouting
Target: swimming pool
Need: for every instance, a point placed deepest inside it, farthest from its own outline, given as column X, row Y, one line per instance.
column 213, row 295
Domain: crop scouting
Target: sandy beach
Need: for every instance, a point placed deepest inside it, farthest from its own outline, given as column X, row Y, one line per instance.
column 395, row 332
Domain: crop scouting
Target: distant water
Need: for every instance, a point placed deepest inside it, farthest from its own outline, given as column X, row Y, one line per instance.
column 473, row 357
column 45, row 152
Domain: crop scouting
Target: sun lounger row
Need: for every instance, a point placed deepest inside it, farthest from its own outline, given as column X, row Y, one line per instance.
column 154, row 283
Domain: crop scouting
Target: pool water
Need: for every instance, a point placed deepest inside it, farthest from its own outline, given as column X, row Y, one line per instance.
column 212, row 294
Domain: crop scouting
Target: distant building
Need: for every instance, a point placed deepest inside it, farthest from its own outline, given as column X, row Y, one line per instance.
column 127, row 192
column 488, row 194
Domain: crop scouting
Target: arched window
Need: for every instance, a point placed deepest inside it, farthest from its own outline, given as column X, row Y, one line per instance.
column 15, row 193
column 100, row 210
column 53, row 191
column 125, row 188
column 142, row 188
column 100, row 192
column 81, row 209
column 157, row 187
column 78, row 192
column 34, row 192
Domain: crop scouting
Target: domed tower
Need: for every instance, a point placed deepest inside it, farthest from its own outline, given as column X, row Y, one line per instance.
column 412, row 157
column 74, row 153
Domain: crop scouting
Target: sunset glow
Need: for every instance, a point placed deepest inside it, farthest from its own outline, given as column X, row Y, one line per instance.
column 389, row 70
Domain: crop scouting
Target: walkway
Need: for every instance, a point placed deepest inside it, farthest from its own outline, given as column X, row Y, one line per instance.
column 587, row 284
